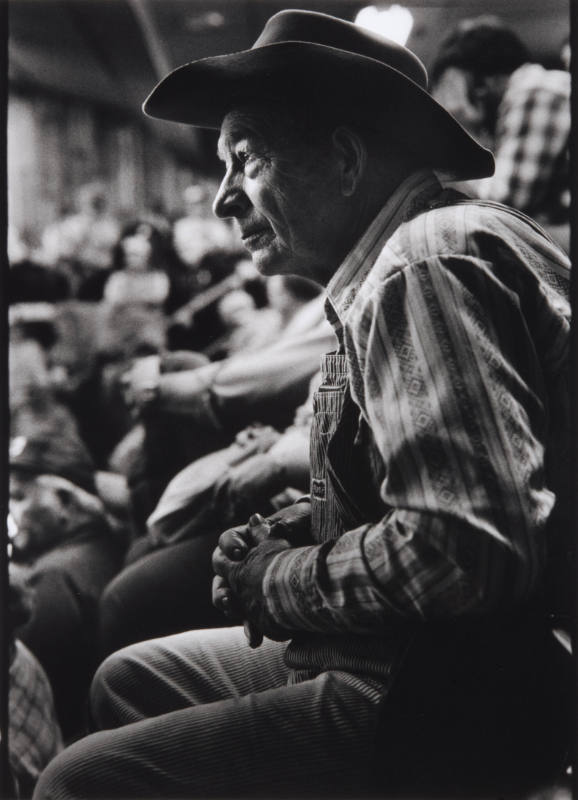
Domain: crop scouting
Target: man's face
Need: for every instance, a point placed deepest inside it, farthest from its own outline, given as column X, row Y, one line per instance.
column 282, row 195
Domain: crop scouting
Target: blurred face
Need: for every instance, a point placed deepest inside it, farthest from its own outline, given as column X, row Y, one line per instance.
column 137, row 250
column 453, row 92
column 282, row 196
column 36, row 516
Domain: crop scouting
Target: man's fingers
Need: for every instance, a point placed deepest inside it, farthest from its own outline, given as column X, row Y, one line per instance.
column 222, row 597
column 259, row 528
column 232, row 548
column 233, row 544
column 220, row 593
column 221, row 564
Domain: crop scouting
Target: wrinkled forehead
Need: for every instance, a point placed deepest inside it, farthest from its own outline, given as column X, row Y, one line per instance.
column 276, row 126
column 255, row 122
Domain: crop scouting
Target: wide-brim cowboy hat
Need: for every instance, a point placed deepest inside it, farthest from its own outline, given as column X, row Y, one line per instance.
column 305, row 53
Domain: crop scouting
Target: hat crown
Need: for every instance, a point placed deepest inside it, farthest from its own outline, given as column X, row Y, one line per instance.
column 316, row 28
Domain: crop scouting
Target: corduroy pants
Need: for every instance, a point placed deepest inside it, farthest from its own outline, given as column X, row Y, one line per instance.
column 200, row 714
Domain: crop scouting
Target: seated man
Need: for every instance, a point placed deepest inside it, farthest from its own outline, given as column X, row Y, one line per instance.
column 437, row 446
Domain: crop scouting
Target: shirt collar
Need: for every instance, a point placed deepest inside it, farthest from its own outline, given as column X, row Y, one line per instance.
column 408, row 199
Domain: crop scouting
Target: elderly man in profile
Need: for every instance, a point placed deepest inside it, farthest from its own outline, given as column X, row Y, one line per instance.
column 437, row 449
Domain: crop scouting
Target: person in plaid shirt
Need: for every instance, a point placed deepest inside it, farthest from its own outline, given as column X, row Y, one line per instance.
column 521, row 110
column 437, row 459
column 34, row 735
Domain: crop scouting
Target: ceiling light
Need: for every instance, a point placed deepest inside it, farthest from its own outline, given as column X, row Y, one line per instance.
column 394, row 23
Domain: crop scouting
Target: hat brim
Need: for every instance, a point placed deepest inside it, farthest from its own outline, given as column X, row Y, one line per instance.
column 202, row 92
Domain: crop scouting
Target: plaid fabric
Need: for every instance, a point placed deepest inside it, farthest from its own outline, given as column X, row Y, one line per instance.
column 34, row 735
column 531, row 147
column 455, row 328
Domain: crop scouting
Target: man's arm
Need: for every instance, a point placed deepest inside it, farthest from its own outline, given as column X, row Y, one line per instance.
column 453, row 394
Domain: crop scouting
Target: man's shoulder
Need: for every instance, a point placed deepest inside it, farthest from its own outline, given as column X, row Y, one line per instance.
column 445, row 228
column 464, row 227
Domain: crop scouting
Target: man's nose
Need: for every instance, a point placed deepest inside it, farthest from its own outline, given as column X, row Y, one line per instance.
column 231, row 200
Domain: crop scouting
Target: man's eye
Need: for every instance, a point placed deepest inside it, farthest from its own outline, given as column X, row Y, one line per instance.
column 243, row 156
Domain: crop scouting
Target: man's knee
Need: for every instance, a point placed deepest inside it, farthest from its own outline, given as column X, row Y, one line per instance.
column 108, row 703
column 65, row 777
column 116, row 616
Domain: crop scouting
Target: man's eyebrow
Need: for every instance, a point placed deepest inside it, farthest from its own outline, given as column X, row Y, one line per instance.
column 227, row 141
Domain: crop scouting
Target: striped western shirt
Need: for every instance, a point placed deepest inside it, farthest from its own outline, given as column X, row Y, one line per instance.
column 455, row 325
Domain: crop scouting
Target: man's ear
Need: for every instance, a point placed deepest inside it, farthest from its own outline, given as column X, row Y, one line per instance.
column 352, row 154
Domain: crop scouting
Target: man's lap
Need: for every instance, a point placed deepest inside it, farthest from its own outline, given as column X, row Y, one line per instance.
column 233, row 724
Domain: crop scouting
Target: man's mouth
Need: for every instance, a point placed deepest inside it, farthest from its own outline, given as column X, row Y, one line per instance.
column 252, row 237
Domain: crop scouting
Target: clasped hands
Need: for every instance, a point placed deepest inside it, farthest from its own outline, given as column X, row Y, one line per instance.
column 240, row 561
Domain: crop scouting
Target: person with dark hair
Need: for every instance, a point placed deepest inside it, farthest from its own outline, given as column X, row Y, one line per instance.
column 147, row 269
column 438, row 457
column 482, row 74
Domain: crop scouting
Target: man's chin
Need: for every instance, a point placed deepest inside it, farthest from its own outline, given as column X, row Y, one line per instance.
column 267, row 263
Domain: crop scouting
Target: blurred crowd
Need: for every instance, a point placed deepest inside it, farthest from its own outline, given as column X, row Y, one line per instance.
column 160, row 391
column 158, row 388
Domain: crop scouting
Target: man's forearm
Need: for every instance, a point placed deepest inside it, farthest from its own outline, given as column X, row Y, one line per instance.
column 390, row 571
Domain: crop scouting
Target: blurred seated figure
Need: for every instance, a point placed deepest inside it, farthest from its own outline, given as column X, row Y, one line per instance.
column 34, row 735
column 33, row 407
column 248, row 327
column 147, row 268
column 139, row 279
column 520, row 110
column 69, row 550
column 74, row 372
column 198, row 233
column 82, row 242
column 132, row 320
column 189, row 413
column 165, row 586
column 197, row 324
column 74, row 341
